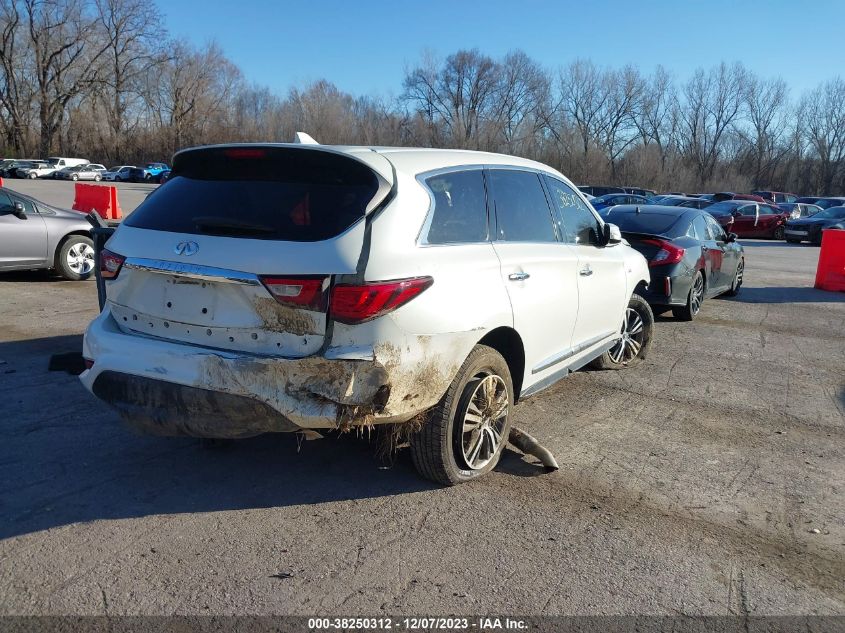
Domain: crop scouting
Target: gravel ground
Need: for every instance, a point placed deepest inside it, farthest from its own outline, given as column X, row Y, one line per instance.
column 708, row 480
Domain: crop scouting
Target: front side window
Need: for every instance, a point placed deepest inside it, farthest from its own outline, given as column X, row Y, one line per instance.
column 700, row 227
column 578, row 224
column 522, row 211
column 715, row 229
column 460, row 208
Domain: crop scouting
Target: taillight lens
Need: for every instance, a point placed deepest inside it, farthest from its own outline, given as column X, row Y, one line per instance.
column 361, row 302
column 305, row 292
column 668, row 253
column 110, row 264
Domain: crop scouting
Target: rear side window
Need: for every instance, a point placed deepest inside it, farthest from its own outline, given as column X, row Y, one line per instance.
column 700, row 226
column 579, row 225
column 460, row 208
column 287, row 194
column 522, row 211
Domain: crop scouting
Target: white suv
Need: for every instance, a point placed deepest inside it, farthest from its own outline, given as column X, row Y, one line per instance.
column 288, row 287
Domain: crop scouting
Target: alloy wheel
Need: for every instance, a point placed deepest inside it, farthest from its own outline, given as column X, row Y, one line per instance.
column 80, row 258
column 738, row 277
column 697, row 294
column 631, row 342
column 484, row 421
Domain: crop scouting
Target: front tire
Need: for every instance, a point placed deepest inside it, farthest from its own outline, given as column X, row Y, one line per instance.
column 465, row 433
column 74, row 177
column 634, row 346
column 97, row 178
column 75, row 259
column 780, row 232
column 694, row 299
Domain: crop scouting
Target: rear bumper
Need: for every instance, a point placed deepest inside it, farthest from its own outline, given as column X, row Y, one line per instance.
column 669, row 286
column 169, row 388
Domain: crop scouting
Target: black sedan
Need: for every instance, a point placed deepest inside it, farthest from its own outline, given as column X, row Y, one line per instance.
column 690, row 256
column 810, row 228
column 612, row 199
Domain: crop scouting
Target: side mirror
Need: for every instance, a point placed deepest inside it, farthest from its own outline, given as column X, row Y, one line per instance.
column 19, row 211
column 731, row 237
column 736, row 213
column 614, row 234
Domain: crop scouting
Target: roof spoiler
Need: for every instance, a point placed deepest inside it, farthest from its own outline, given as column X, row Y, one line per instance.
column 301, row 138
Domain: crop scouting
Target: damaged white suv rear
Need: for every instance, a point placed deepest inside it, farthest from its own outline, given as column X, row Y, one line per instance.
column 275, row 288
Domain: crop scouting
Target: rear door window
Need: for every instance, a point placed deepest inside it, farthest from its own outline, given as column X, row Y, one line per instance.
column 460, row 208
column 577, row 222
column 267, row 193
column 522, row 211
column 699, row 224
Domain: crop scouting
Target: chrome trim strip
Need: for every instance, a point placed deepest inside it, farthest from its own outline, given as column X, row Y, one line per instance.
column 192, row 271
column 568, row 353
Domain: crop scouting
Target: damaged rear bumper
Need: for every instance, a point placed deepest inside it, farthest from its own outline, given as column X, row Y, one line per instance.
column 163, row 387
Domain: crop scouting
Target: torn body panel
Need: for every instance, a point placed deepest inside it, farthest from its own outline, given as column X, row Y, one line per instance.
column 153, row 382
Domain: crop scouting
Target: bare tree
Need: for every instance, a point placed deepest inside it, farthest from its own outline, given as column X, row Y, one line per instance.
column 824, row 117
column 766, row 107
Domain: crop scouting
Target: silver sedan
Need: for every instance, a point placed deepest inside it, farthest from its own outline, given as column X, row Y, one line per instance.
column 34, row 235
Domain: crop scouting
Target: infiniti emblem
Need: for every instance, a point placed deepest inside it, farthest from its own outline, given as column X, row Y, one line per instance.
column 186, row 248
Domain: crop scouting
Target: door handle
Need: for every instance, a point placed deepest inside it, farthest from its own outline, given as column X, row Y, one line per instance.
column 585, row 272
column 518, row 276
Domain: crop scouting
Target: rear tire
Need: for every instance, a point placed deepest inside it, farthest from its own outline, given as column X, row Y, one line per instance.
column 694, row 299
column 75, row 258
column 637, row 330
column 736, row 284
column 780, row 232
column 97, row 178
column 465, row 433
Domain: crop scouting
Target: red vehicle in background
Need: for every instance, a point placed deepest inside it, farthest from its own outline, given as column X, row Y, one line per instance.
column 776, row 197
column 729, row 195
column 751, row 219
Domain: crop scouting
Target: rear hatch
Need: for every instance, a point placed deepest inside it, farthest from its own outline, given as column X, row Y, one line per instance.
column 239, row 249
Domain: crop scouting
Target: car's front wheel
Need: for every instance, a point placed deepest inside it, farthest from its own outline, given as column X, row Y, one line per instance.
column 780, row 232
column 75, row 260
column 736, row 284
column 74, row 177
column 464, row 435
column 636, row 337
column 97, row 178
column 33, row 176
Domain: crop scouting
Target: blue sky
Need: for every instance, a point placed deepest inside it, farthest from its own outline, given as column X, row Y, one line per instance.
column 364, row 46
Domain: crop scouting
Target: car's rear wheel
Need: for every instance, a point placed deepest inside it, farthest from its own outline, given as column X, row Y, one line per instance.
column 465, row 433
column 635, row 343
column 694, row 299
column 97, row 178
column 736, row 284
column 780, row 232
column 74, row 177
column 33, row 176
column 75, row 260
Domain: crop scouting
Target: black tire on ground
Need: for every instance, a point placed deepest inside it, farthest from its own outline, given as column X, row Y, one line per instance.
column 63, row 266
column 739, row 276
column 97, row 178
column 74, row 177
column 792, row 240
column 438, row 449
column 693, row 306
column 780, row 232
column 633, row 349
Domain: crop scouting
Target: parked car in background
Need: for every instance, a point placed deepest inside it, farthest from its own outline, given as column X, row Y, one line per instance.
column 10, row 166
column 351, row 296
column 824, row 202
column 729, row 195
column 690, row 256
column 752, row 219
column 799, row 209
column 34, row 235
column 164, row 177
column 61, row 162
column 22, row 170
column 617, row 198
column 776, row 197
column 120, row 173
column 38, row 170
column 810, row 228
column 597, row 192
column 148, row 173
column 682, row 201
column 723, row 213
column 645, row 193
column 89, row 171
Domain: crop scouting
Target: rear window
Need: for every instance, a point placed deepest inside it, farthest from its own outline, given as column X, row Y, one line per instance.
column 284, row 194
column 650, row 223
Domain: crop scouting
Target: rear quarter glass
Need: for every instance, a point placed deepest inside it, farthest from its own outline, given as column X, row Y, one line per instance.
column 268, row 193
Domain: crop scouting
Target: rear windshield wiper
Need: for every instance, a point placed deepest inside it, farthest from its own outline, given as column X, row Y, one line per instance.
column 229, row 226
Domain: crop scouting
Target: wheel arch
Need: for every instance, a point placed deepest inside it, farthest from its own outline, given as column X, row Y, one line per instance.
column 62, row 241
column 508, row 343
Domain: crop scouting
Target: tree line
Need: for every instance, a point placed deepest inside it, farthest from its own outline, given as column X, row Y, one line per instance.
column 103, row 79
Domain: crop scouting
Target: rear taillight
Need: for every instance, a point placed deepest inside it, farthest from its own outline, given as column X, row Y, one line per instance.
column 668, row 253
column 306, row 292
column 110, row 264
column 361, row 302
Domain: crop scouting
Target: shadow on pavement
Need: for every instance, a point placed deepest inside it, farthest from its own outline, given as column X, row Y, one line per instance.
column 787, row 294
column 758, row 243
column 32, row 276
column 66, row 458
